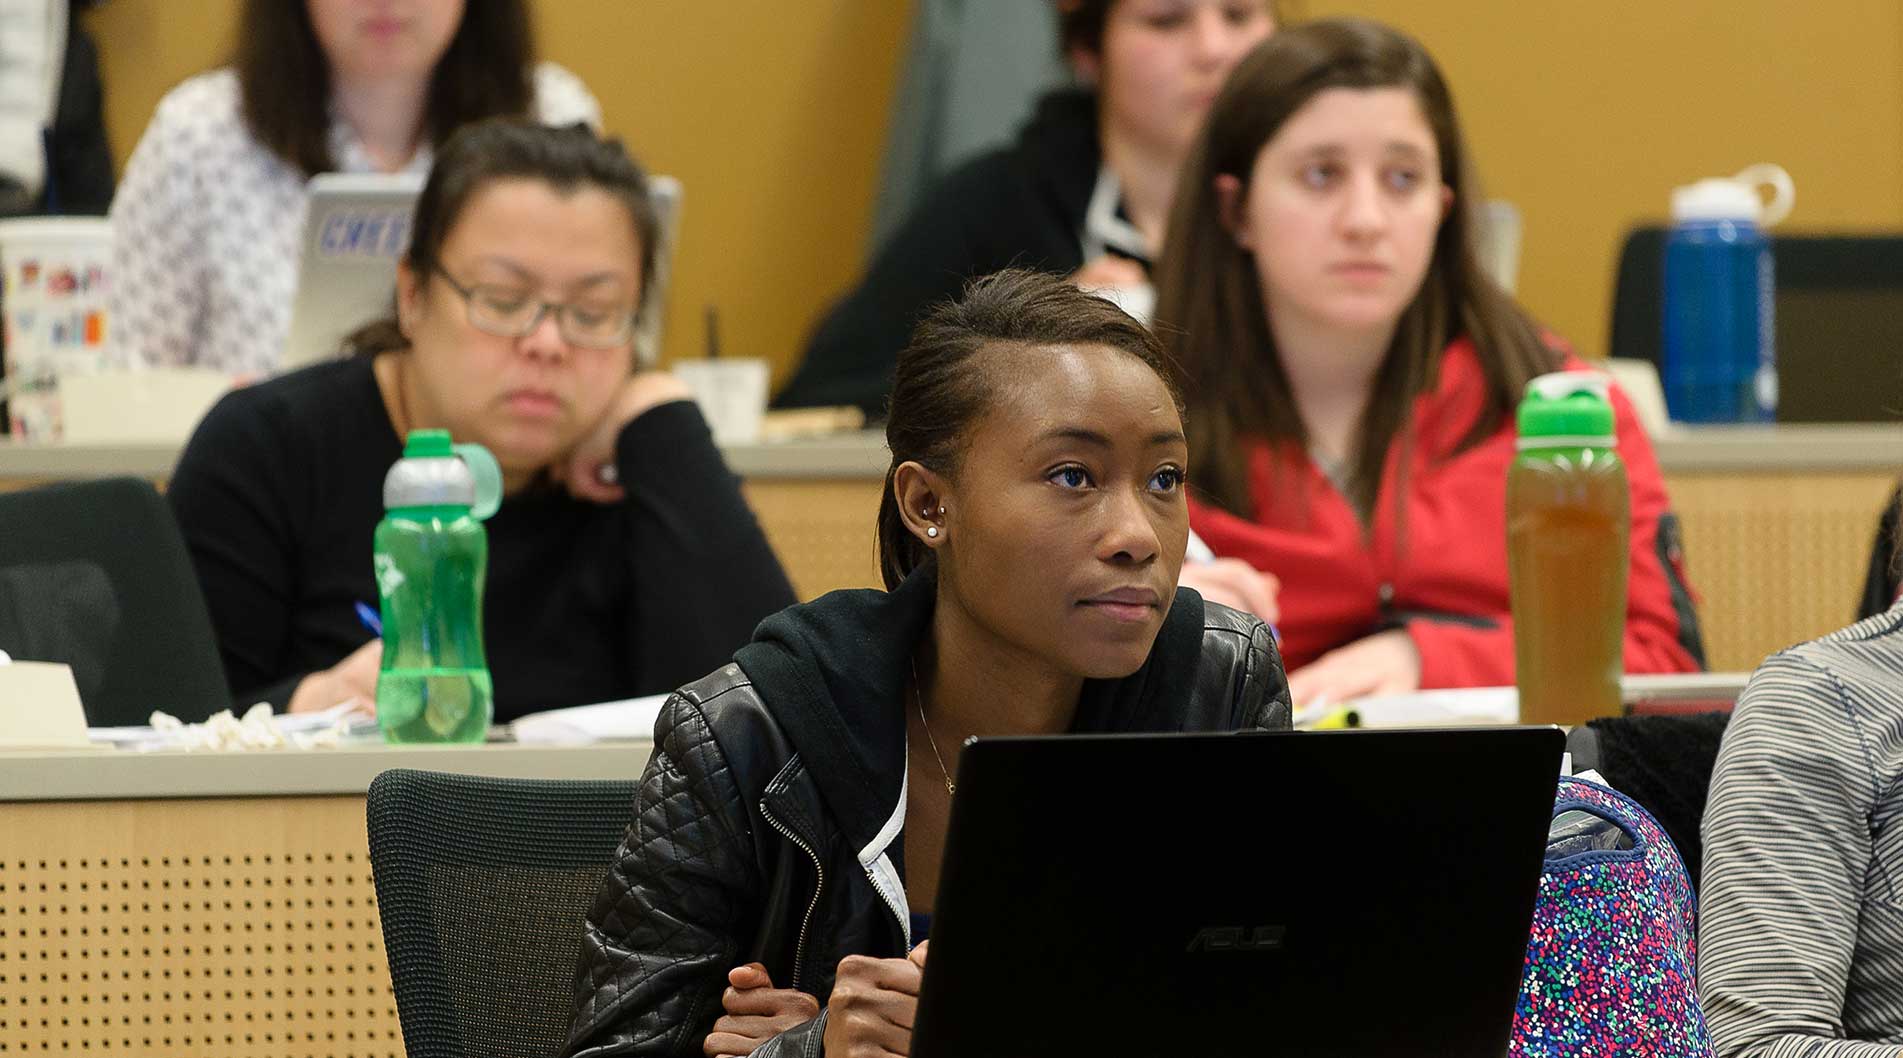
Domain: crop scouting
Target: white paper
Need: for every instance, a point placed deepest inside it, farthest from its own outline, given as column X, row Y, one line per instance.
column 633, row 718
column 259, row 728
column 1443, row 708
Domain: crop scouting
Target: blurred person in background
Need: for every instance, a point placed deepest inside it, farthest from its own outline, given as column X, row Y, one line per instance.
column 623, row 561
column 209, row 215
column 54, row 158
column 1351, row 375
column 1085, row 191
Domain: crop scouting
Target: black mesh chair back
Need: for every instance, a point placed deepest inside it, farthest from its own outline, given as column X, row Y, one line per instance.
column 1664, row 762
column 1839, row 316
column 1638, row 296
column 482, row 887
column 94, row 574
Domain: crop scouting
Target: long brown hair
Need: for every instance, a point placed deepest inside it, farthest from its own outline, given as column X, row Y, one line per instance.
column 284, row 78
column 1209, row 303
column 940, row 390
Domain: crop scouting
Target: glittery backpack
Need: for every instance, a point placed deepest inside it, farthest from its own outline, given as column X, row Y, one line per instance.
column 1611, row 964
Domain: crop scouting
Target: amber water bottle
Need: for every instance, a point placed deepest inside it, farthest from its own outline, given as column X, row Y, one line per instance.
column 1568, row 520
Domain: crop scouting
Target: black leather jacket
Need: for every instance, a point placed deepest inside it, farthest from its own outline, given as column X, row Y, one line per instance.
column 767, row 826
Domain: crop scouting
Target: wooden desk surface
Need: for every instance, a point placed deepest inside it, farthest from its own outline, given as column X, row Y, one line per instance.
column 111, row 774
column 862, row 455
column 1793, row 448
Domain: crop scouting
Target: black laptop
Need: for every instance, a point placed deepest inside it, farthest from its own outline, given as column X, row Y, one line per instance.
column 1355, row 893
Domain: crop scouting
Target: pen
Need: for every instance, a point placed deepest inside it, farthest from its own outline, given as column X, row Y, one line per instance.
column 367, row 616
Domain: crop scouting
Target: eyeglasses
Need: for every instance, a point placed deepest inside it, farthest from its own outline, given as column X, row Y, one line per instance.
column 508, row 313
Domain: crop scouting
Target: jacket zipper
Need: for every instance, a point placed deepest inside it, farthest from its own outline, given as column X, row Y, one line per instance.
column 799, row 949
column 905, row 928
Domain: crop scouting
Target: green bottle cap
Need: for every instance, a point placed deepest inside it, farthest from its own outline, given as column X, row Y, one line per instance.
column 435, row 472
column 428, row 444
column 1567, row 409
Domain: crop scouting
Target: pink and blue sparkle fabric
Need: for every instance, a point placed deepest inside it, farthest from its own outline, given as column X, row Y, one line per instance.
column 1611, row 960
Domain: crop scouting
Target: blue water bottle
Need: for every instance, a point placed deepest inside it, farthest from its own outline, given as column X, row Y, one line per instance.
column 1720, row 360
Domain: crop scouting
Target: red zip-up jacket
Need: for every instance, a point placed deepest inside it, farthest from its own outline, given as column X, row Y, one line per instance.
column 1447, row 584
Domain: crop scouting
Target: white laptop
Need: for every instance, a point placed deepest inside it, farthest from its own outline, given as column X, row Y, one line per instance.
column 357, row 228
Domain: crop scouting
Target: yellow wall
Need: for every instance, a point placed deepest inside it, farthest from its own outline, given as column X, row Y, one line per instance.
column 1587, row 114
column 773, row 116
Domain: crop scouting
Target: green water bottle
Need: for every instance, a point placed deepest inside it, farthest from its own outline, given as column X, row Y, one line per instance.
column 431, row 555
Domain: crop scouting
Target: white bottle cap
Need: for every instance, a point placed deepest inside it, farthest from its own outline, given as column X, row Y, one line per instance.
column 1718, row 198
column 1558, row 385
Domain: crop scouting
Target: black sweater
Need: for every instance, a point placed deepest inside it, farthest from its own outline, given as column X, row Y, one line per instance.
column 281, row 488
column 1021, row 205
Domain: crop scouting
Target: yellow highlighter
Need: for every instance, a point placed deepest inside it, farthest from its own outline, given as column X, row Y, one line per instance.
column 1337, row 717
column 1323, row 715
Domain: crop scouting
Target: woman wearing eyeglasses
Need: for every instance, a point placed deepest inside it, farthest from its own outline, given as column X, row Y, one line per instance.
column 623, row 561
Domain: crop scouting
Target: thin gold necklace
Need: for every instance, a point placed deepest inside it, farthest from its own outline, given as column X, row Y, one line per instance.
column 918, row 695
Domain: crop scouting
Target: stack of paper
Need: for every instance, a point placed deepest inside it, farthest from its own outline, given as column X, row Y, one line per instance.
column 633, row 718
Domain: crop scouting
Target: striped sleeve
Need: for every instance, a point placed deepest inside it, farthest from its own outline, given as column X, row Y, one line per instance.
column 1787, row 853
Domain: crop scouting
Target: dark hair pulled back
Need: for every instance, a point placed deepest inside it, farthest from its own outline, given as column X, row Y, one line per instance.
column 941, row 389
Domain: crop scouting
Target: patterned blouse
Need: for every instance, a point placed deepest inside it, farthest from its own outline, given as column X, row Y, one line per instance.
column 208, row 221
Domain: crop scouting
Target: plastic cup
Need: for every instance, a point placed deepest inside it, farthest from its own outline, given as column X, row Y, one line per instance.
column 731, row 394
column 53, row 271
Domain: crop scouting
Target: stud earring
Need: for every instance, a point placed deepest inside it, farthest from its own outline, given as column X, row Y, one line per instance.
column 932, row 531
column 925, row 512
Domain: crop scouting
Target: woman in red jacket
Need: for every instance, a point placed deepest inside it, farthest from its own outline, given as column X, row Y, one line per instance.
column 1351, row 375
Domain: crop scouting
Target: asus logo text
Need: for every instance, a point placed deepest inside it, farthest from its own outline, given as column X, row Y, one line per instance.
column 1237, row 938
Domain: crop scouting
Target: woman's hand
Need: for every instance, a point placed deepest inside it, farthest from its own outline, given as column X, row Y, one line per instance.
column 1235, row 584
column 872, row 1006
column 585, row 475
column 352, row 679
column 1383, row 663
column 756, row 1012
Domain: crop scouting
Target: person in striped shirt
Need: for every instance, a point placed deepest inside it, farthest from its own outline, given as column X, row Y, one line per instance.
column 1801, row 938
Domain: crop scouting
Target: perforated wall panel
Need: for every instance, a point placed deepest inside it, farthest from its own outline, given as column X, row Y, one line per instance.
column 193, row 927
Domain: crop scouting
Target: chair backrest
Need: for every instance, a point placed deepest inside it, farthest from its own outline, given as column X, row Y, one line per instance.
column 482, row 888
column 1838, row 312
column 94, row 574
column 1664, row 763
column 1638, row 315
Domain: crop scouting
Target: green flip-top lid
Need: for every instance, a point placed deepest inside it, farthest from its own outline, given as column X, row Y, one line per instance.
column 1567, row 409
